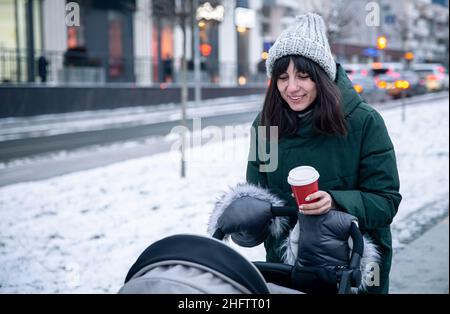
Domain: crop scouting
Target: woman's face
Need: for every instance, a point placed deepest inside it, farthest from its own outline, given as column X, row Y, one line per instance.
column 296, row 88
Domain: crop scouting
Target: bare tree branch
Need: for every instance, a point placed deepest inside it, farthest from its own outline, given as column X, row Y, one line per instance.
column 338, row 17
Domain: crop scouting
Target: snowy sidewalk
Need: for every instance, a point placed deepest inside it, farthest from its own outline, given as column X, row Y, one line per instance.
column 80, row 232
column 422, row 267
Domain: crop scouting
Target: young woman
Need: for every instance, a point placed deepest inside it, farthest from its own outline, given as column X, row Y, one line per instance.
column 322, row 122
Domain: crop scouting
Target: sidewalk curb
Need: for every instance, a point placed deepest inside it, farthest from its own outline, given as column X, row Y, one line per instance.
column 423, row 266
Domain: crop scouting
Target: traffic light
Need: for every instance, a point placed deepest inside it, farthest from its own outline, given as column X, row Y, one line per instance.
column 381, row 42
column 409, row 56
column 205, row 50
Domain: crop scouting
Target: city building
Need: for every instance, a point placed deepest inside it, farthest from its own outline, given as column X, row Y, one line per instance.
column 354, row 26
column 141, row 41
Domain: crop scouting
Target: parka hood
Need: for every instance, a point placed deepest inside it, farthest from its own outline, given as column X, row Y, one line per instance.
column 350, row 98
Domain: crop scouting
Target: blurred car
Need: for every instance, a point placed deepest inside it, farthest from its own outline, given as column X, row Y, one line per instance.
column 417, row 86
column 401, row 84
column 434, row 74
column 389, row 68
column 366, row 86
column 357, row 68
column 387, row 83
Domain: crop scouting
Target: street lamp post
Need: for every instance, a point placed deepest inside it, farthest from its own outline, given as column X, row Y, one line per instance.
column 182, row 12
column 197, row 71
column 30, row 41
column 16, row 21
column 403, row 109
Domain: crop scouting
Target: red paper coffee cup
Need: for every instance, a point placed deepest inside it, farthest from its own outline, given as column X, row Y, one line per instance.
column 303, row 181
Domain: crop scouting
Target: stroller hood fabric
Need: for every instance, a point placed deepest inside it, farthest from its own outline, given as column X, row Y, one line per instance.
column 193, row 264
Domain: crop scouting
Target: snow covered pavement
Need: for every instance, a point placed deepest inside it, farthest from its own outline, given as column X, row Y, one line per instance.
column 79, row 233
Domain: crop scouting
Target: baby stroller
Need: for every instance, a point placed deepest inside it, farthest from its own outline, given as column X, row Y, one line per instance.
column 199, row 264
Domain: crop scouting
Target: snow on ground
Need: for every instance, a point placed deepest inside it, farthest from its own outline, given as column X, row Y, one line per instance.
column 63, row 155
column 80, row 233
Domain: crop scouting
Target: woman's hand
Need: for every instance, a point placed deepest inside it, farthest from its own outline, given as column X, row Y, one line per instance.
column 323, row 202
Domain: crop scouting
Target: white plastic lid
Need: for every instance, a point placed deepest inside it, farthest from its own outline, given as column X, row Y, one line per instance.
column 302, row 175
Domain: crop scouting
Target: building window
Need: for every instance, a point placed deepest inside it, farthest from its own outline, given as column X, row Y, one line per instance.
column 116, row 60
column 72, row 40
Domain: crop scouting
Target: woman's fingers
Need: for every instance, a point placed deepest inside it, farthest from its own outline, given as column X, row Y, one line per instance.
column 320, row 206
column 321, row 198
column 316, row 205
column 321, row 203
column 315, row 195
column 320, row 211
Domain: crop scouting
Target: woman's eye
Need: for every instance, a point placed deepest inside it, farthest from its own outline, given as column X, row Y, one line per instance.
column 305, row 76
column 283, row 77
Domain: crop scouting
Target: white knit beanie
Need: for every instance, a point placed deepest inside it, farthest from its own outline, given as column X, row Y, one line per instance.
column 306, row 38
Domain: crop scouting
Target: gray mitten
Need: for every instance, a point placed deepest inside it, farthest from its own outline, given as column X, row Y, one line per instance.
column 247, row 220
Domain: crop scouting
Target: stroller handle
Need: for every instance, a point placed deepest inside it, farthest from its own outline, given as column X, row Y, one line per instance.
column 218, row 234
column 278, row 211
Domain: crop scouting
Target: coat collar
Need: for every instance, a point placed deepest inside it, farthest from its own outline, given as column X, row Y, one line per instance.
column 305, row 126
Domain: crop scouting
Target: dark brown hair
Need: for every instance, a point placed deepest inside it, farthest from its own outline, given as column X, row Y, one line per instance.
column 328, row 117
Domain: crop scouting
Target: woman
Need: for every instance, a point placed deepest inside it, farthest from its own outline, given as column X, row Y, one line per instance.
column 322, row 122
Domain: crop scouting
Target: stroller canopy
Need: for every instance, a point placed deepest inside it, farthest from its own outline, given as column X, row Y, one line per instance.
column 193, row 264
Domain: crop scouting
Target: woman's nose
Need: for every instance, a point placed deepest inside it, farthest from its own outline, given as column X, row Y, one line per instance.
column 293, row 85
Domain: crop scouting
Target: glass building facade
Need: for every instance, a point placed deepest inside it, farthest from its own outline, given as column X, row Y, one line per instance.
column 21, row 37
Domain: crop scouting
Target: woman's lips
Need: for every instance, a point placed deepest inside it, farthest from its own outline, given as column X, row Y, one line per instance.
column 296, row 98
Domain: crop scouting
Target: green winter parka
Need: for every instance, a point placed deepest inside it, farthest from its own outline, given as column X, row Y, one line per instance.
column 358, row 170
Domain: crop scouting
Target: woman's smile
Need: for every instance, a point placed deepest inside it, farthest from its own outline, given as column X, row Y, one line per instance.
column 296, row 88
